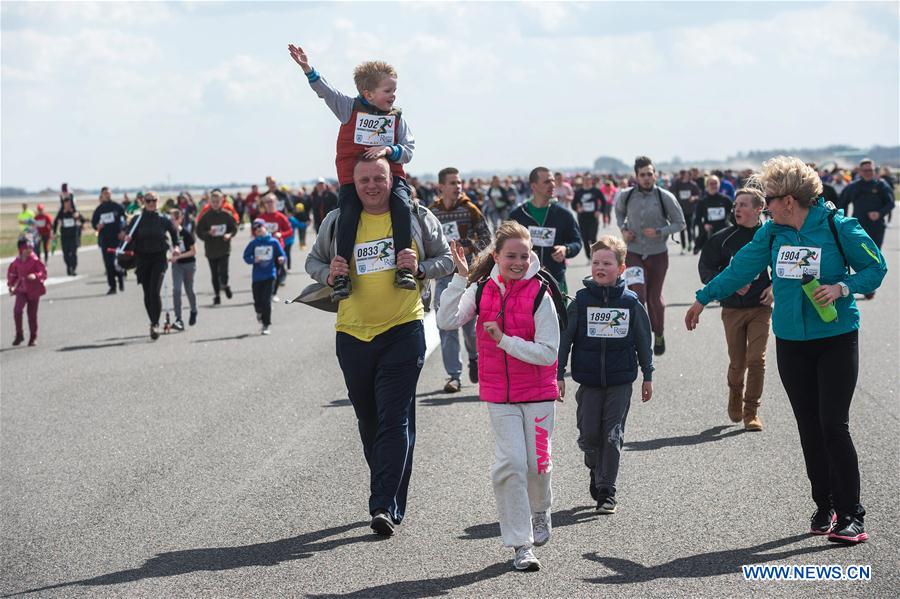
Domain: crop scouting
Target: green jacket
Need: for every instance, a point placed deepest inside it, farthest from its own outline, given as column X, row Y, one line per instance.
column 794, row 317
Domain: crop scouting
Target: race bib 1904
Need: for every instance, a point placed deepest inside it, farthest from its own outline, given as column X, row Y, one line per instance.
column 607, row 322
column 374, row 256
column 633, row 276
column 374, row 130
column 795, row 261
column 451, row 231
column 715, row 213
column 542, row 236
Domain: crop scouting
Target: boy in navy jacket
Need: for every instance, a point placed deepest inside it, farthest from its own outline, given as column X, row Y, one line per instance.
column 264, row 252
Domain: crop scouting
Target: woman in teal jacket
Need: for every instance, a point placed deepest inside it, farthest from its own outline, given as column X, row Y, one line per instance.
column 818, row 362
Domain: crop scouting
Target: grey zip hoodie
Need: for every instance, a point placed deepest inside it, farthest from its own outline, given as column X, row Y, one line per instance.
column 645, row 212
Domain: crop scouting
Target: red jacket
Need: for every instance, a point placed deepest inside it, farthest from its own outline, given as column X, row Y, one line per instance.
column 17, row 276
column 349, row 152
column 46, row 228
column 279, row 226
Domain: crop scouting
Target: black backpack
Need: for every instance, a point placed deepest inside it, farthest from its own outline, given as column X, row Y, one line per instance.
column 548, row 284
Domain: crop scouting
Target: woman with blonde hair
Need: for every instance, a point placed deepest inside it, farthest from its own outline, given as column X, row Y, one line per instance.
column 517, row 335
column 817, row 353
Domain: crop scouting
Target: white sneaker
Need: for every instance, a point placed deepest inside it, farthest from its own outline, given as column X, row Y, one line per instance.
column 276, row 299
column 541, row 527
column 525, row 560
column 264, row 331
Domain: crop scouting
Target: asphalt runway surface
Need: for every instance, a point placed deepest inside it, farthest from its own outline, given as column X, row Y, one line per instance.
column 219, row 463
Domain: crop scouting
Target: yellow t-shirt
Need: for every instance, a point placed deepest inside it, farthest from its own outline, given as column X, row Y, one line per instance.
column 375, row 304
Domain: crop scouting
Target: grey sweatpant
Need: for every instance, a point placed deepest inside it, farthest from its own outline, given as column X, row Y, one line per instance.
column 522, row 466
column 183, row 274
column 601, row 418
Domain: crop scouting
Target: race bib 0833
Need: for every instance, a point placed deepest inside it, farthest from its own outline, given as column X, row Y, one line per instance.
column 607, row 322
column 374, row 256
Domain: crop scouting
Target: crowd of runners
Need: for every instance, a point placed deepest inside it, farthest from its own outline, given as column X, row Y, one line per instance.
column 490, row 257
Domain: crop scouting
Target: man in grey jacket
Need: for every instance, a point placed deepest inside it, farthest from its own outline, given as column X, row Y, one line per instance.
column 380, row 334
column 647, row 215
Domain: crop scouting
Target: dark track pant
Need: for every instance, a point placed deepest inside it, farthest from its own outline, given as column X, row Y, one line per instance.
column 588, row 225
column 112, row 273
column 650, row 293
column 70, row 254
column 819, row 377
column 601, row 416
column 381, row 377
column 151, row 271
column 218, row 268
column 262, row 299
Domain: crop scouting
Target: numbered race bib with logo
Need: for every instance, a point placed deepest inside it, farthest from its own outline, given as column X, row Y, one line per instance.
column 374, row 256
column 218, row 230
column 607, row 322
column 716, row 213
column 272, row 228
column 279, row 205
column 684, row 194
column 40, row 223
column 542, row 236
column 633, row 275
column 263, row 253
column 68, row 222
column 589, row 206
column 374, row 130
column 451, row 231
column 107, row 218
column 795, row 261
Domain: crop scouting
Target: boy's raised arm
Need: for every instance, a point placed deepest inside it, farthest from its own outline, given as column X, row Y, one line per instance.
column 341, row 105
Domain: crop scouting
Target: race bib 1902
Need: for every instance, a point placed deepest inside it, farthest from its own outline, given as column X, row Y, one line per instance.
column 607, row 322
column 374, row 130
column 374, row 256
column 451, row 231
column 633, row 275
column 795, row 261
column 715, row 213
column 542, row 236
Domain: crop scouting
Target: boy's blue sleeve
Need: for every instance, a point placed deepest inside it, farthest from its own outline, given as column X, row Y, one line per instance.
column 865, row 258
column 745, row 266
column 402, row 152
column 248, row 253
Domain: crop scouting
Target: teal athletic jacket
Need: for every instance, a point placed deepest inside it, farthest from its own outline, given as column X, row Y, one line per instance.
column 794, row 317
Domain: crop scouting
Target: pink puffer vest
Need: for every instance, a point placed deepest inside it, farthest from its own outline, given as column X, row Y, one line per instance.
column 501, row 377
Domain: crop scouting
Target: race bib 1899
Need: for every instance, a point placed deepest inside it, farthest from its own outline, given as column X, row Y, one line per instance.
column 451, row 231
column 542, row 236
column 374, row 256
column 374, row 130
column 795, row 261
column 607, row 322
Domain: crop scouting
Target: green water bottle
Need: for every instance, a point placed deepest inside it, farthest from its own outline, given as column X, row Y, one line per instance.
column 810, row 284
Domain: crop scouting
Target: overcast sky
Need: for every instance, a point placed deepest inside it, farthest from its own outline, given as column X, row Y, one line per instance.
column 129, row 94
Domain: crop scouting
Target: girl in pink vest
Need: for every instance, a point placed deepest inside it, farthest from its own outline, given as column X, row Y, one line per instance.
column 25, row 280
column 517, row 338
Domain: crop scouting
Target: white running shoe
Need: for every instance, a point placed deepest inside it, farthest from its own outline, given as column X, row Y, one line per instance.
column 264, row 331
column 541, row 527
column 525, row 560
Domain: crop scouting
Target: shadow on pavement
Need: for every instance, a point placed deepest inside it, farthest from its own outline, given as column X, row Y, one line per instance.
column 231, row 305
column 54, row 298
column 447, row 399
column 714, row 563
column 713, row 434
column 338, row 403
column 213, row 559
column 429, row 587
column 100, row 345
column 232, row 338
column 569, row 517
